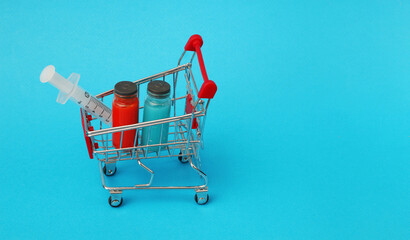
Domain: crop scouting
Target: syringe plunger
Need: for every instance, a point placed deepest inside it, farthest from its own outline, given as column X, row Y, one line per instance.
column 50, row 75
column 70, row 90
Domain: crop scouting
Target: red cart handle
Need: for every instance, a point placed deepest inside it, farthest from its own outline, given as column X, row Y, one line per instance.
column 208, row 88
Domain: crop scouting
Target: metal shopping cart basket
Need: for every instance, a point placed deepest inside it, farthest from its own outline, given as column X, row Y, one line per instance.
column 185, row 135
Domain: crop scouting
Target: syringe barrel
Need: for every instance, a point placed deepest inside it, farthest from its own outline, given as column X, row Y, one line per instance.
column 92, row 105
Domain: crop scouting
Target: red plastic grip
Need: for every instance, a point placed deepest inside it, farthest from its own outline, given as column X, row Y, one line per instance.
column 189, row 108
column 208, row 88
column 87, row 139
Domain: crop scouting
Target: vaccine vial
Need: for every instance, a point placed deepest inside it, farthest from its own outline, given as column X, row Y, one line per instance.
column 157, row 106
column 125, row 107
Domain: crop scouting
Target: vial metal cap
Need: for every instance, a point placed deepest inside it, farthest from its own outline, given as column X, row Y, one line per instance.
column 159, row 87
column 125, row 88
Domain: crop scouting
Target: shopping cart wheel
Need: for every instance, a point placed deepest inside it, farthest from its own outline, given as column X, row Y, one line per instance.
column 182, row 159
column 114, row 202
column 201, row 200
column 110, row 172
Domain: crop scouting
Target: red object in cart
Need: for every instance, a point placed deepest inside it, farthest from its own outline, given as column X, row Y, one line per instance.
column 125, row 107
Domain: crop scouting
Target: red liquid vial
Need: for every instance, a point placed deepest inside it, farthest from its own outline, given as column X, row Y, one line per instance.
column 125, row 107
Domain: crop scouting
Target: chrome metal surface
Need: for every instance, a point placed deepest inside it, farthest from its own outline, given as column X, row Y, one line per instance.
column 201, row 195
column 115, row 199
column 110, row 168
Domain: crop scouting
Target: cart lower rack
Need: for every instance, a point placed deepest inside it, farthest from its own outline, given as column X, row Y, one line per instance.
column 185, row 134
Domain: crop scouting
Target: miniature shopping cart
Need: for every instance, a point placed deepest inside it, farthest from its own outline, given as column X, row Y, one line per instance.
column 185, row 136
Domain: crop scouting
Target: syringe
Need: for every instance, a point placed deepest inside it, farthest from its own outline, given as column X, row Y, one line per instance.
column 70, row 90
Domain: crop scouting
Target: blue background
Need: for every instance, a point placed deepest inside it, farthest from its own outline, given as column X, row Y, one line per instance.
column 307, row 137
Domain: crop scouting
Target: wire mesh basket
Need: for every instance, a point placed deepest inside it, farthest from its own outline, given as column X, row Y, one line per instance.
column 189, row 106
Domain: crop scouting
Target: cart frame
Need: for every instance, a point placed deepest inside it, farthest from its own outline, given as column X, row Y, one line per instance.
column 185, row 137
